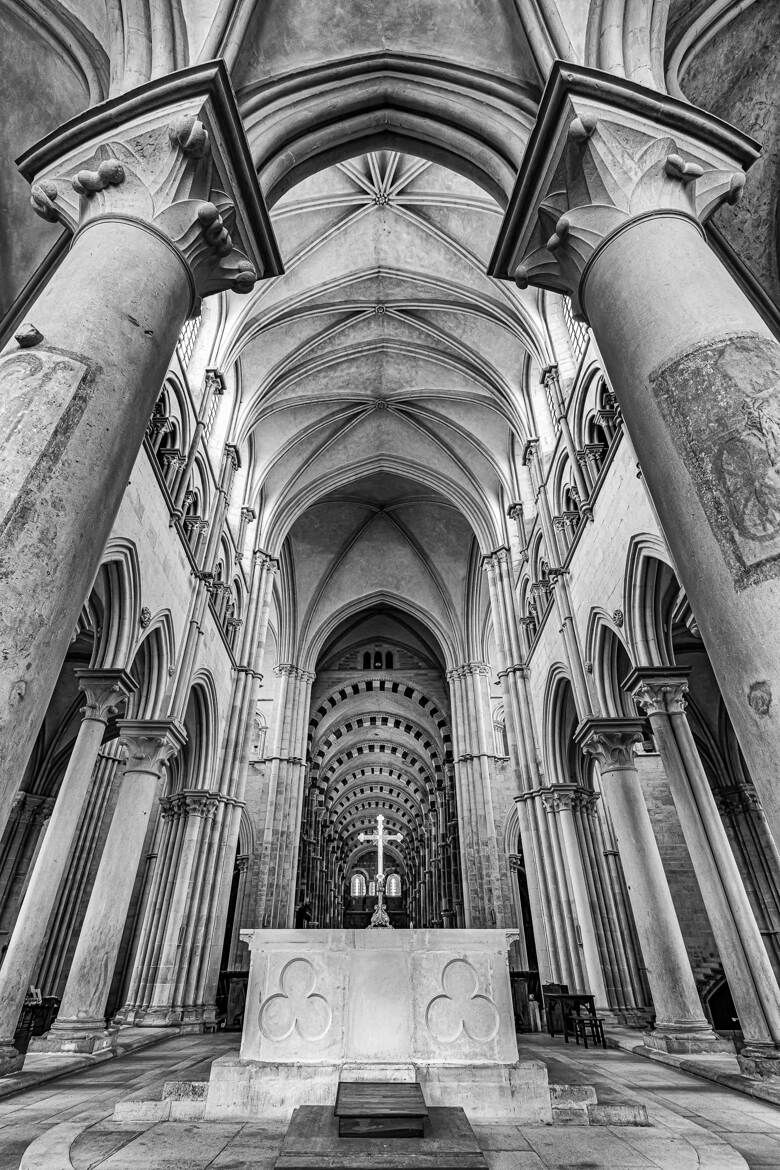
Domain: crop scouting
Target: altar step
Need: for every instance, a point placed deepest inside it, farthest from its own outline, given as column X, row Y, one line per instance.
column 381, row 1109
column 312, row 1142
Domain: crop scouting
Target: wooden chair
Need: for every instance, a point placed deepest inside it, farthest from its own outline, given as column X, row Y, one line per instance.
column 580, row 1024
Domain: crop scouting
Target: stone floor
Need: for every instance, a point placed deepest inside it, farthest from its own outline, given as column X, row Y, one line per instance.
column 694, row 1123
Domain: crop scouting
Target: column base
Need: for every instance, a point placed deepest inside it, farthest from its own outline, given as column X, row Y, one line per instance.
column 760, row 1061
column 188, row 1019
column 157, row 1017
column 88, row 1036
column 686, row 1041
column 11, row 1059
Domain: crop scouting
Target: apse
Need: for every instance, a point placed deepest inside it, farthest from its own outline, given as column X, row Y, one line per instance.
column 379, row 745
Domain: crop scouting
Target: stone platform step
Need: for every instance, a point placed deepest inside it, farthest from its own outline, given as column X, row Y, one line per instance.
column 178, row 1101
column 578, row 1105
column 312, row 1142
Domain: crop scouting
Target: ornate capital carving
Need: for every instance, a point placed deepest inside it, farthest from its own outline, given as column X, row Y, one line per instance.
column 214, row 381
column 32, row 809
column 604, row 152
column 190, row 802
column 150, row 742
column 740, row 799
column 659, row 690
column 171, row 154
column 266, row 561
column 530, row 447
column 567, row 797
column 105, row 691
column 610, row 741
column 290, row 670
column 492, row 560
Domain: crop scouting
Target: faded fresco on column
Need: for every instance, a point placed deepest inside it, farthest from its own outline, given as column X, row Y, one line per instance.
column 44, row 395
column 721, row 402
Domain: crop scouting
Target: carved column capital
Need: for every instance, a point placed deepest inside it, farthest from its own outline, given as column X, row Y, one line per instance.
column 530, row 448
column 604, row 152
column 266, row 561
column 492, row 561
column 659, row 690
column 195, row 802
column 150, row 742
column 105, row 691
column 34, row 809
column 610, row 741
column 172, row 156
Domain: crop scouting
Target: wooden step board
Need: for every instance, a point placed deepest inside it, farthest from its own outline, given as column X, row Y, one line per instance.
column 312, row 1142
column 382, row 1109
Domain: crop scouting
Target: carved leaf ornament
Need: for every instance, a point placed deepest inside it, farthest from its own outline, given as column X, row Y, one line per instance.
column 164, row 176
column 461, row 1010
column 296, row 1007
column 608, row 175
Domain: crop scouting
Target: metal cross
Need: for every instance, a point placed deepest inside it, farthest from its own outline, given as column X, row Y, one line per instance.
column 380, row 839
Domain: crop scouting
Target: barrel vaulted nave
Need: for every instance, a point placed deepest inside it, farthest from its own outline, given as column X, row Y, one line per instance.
column 391, row 425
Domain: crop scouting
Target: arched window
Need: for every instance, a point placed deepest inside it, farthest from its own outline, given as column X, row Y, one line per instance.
column 393, row 886
column 367, row 660
column 388, row 660
column 377, row 660
column 357, row 886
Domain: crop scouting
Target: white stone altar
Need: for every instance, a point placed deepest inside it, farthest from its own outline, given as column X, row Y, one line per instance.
column 427, row 1005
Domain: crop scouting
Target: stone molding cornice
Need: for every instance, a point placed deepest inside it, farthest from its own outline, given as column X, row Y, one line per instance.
column 104, row 691
column 519, row 668
column 172, row 157
column 659, row 690
column 611, row 742
column 604, row 152
column 150, row 743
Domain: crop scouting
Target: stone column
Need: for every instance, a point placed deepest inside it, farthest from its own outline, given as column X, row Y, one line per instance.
column 552, row 384
column 522, row 741
column 560, row 800
column 192, row 810
column 608, row 207
column 680, row 1024
column 286, row 767
column 235, row 956
column 104, row 690
column 140, row 181
column 80, row 1026
column 661, row 692
column 477, row 831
